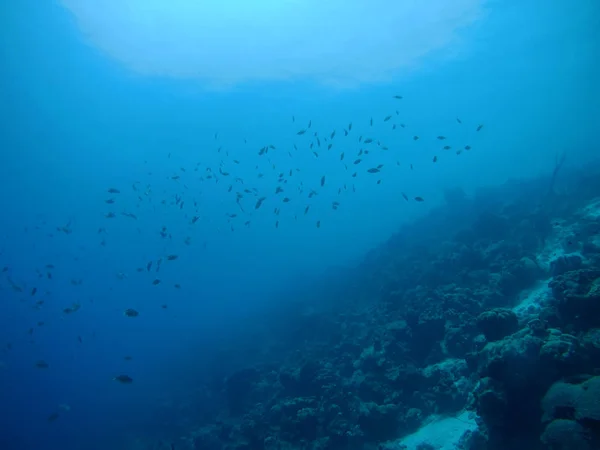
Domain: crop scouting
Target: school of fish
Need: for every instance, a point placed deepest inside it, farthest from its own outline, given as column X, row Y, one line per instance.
column 250, row 199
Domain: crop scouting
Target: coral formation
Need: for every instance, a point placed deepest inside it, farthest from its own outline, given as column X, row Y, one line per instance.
column 498, row 312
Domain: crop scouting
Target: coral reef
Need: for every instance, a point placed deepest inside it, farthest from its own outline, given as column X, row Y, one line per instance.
column 496, row 313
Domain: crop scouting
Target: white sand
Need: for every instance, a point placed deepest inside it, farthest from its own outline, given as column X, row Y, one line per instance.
column 442, row 433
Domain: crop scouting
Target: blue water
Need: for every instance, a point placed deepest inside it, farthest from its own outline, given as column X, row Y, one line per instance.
column 75, row 122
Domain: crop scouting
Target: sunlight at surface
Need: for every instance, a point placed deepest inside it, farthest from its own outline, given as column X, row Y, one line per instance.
column 225, row 42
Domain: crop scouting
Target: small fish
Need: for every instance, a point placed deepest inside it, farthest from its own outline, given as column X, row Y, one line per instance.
column 467, row 147
column 114, row 191
column 71, row 309
column 42, row 364
column 259, row 202
column 441, row 138
column 435, row 159
column 419, row 199
column 357, row 161
column 323, row 180
column 318, row 224
column 387, row 118
column 33, row 291
column 172, row 257
column 458, row 120
column 404, row 196
column 415, row 138
column 479, row 127
column 398, row 97
column 373, row 170
column 52, row 417
column 124, row 379
column 131, row 312
column 156, row 282
column 301, row 132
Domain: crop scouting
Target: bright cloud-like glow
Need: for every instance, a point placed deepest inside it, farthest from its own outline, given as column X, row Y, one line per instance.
column 226, row 42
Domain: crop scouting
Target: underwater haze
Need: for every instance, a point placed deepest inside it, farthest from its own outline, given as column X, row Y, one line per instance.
column 219, row 219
